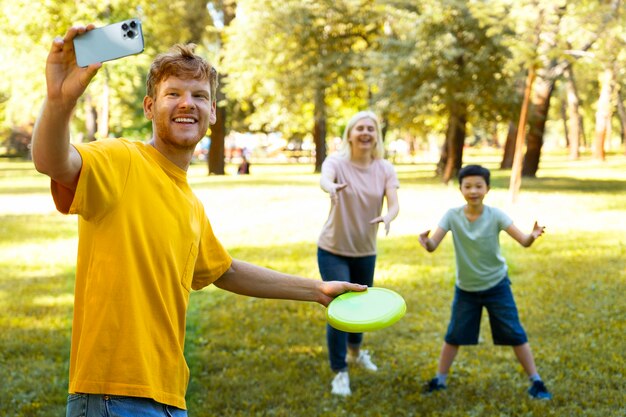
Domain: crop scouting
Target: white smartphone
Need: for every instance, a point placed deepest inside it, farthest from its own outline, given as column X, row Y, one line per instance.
column 110, row 42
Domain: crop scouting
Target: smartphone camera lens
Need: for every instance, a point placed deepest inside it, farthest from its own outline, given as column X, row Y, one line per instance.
column 133, row 24
column 125, row 27
column 131, row 34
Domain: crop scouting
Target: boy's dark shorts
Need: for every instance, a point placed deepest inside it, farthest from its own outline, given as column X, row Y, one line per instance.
column 467, row 307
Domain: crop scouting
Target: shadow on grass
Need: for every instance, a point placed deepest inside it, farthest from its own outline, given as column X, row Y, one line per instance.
column 34, row 373
column 543, row 184
column 268, row 357
column 35, row 328
column 564, row 184
column 25, row 189
column 256, row 357
column 19, row 229
column 15, row 164
column 250, row 181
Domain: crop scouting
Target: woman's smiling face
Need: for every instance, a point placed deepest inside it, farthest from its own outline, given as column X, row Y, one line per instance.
column 363, row 135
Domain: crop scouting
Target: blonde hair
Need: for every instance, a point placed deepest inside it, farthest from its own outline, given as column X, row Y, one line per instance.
column 180, row 61
column 378, row 151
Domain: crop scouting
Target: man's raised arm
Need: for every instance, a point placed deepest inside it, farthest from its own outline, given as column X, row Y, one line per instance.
column 66, row 82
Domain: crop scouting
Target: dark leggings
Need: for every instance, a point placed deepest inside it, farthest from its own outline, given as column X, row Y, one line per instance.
column 359, row 270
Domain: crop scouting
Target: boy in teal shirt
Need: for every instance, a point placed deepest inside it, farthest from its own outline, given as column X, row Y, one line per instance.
column 482, row 278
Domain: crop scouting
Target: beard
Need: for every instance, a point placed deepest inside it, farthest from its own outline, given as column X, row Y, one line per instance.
column 179, row 140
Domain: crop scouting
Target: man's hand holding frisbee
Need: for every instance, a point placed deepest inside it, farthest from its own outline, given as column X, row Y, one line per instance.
column 255, row 281
column 332, row 289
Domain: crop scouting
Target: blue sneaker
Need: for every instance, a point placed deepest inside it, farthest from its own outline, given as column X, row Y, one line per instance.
column 539, row 391
column 434, row 385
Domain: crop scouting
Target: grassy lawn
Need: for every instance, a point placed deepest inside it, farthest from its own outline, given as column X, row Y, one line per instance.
column 254, row 357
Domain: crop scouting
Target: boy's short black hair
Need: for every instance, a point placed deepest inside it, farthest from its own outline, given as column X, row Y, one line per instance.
column 471, row 170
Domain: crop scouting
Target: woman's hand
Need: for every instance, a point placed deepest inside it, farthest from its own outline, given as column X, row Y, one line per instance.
column 382, row 219
column 334, row 191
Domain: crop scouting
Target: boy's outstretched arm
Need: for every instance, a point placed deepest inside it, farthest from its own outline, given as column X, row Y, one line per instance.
column 525, row 239
column 431, row 243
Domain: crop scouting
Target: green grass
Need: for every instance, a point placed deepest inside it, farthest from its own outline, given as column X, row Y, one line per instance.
column 255, row 357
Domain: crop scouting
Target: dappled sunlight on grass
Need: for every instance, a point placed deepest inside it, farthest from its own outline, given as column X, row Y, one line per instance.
column 42, row 255
column 34, row 335
column 549, row 285
column 257, row 357
column 314, row 351
column 40, row 229
column 20, row 177
column 38, row 318
column 54, row 301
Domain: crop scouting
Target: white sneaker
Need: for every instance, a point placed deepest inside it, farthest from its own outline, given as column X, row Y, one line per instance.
column 363, row 360
column 341, row 384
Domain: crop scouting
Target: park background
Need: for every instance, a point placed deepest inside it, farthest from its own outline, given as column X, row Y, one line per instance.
column 533, row 90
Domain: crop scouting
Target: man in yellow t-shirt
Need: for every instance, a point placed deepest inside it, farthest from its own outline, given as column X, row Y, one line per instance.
column 144, row 239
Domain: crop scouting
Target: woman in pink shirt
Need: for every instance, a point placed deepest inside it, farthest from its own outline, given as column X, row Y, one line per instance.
column 358, row 179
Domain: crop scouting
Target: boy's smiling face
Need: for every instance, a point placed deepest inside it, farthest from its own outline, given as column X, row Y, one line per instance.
column 474, row 188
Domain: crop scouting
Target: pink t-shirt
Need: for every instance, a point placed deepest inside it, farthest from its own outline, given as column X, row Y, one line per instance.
column 348, row 231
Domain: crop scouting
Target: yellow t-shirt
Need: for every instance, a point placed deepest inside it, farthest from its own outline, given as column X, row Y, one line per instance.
column 144, row 243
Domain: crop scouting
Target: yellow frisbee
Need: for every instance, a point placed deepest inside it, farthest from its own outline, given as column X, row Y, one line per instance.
column 374, row 309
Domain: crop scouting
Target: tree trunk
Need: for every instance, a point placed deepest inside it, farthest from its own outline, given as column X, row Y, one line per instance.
column 509, row 147
column 547, row 33
column 540, row 105
column 495, row 136
column 103, row 116
column 451, row 158
column 564, row 118
column 218, row 131
column 573, row 121
column 545, row 85
column 91, row 119
column 218, row 134
column 516, row 171
column 621, row 111
column 603, row 114
column 319, row 128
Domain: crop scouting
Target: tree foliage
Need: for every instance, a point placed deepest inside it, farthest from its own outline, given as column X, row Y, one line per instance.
column 441, row 54
column 29, row 28
column 445, row 68
column 278, row 54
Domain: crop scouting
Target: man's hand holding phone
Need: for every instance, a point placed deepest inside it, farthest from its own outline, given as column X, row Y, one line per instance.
column 75, row 59
column 66, row 81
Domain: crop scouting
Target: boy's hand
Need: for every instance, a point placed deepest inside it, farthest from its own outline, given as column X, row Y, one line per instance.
column 423, row 239
column 431, row 243
column 537, row 230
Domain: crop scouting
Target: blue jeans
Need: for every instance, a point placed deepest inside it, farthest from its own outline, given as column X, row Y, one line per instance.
column 97, row 405
column 359, row 270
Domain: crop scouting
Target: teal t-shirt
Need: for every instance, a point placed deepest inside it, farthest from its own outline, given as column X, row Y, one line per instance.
column 479, row 264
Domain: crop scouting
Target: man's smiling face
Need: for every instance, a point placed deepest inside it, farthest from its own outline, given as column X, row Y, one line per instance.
column 181, row 112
